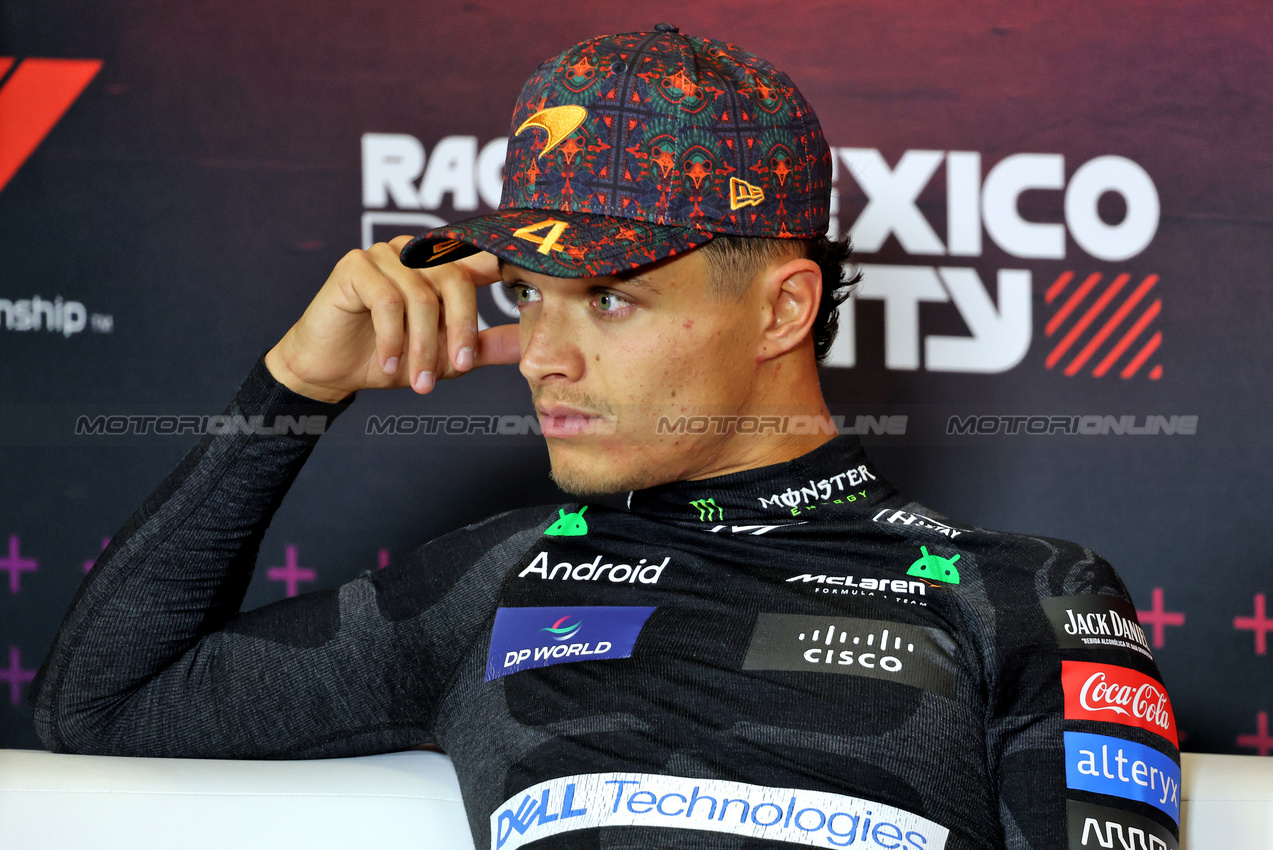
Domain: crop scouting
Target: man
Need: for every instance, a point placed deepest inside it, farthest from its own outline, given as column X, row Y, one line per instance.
column 769, row 646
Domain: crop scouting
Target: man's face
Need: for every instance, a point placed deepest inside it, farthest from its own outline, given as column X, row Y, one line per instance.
column 607, row 358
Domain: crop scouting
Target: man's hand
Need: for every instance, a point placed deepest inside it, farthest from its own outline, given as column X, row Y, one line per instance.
column 377, row 323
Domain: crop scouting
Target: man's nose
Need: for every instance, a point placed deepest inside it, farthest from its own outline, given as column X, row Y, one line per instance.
column 551, row 351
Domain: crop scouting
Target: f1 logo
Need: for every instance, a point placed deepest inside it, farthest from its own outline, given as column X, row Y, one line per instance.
column 33, row 100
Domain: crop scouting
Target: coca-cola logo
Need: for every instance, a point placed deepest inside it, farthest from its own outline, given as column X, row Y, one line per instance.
column 1117, row 695
column 1147, row 702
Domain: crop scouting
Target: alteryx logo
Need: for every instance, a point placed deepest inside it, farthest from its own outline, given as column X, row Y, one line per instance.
column 1122, row 768
column 526, row 638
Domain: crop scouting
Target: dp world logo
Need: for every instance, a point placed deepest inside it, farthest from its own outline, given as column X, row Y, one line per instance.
column 521, row 641
column 560, row 631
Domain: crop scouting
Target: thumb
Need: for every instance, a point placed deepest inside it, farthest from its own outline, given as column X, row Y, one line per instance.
column 498, row 345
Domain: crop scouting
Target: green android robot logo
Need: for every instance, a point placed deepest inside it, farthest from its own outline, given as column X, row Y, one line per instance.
column 935, row 567
column 568, row 525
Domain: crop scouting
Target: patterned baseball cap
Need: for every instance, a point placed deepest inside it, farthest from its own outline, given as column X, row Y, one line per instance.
column 630, row 148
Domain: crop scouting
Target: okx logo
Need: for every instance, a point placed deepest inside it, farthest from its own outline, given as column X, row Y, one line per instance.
column 32, row 100
column 708, row 510
column 1093, row 827
column 526, row 638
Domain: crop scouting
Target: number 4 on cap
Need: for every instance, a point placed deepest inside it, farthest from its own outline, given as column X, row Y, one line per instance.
column 547, row 242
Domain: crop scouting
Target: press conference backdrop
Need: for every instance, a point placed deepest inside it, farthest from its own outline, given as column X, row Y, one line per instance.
column 1064, row 211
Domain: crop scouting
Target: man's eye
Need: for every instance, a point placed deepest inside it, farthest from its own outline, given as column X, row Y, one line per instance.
column 522, row 293
column 609, row 302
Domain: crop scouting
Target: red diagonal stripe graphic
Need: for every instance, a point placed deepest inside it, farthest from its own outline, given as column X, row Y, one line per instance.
column 1114, row 321
column 1142, row 356
column 33, row 100
column 1128, row 339
column 1081, row 324
column 1072, row 302
column 1058, row 287
column 6, row 62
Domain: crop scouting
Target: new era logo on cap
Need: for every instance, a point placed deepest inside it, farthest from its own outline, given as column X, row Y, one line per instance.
column 742, row 194
column 643, row 145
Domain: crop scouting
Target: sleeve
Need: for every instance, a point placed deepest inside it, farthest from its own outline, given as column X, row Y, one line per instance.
column 1081, row 734
column 152, row 659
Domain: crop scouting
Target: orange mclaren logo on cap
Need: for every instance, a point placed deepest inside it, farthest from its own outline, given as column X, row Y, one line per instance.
column 445, row 248
column 559, row 121
column 743, row 194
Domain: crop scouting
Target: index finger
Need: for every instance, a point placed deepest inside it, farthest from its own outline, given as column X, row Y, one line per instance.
column 482, row 267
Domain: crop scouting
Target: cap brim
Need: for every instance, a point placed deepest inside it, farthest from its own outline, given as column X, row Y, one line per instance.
column 554, row 243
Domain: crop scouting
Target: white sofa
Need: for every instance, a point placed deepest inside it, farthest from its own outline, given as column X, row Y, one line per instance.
column 396, row 800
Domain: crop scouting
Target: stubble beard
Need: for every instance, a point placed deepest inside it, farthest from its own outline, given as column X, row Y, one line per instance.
column 579, row 478
column 597, row 482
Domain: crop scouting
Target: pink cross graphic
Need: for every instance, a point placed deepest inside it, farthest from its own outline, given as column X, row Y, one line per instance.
column 382, row 558
column 290, row 572
column 1158, row 618
column 88, row 565
column 1260, row 624
column 17, row 565
column 1261, row 740
column 15, row 675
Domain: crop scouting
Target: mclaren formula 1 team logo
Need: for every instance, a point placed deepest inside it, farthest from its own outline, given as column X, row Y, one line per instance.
column 558, row 121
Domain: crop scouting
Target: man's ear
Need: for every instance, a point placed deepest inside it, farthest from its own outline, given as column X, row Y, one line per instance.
column 792, row 292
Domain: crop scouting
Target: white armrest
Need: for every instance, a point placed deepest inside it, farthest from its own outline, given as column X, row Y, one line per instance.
column 1227, row 802
column 395, row 800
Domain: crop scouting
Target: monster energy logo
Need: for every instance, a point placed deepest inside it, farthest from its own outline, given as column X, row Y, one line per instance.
column 708, row 510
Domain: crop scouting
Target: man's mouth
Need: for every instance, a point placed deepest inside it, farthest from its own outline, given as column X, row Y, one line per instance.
column 563, row 421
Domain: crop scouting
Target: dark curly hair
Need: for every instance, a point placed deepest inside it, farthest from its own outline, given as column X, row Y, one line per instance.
column 735, row 260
